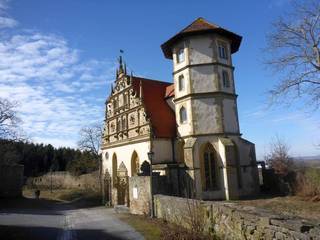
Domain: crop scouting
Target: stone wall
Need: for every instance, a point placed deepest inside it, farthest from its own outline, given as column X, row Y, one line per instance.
column 11, row 180
column 139, row 192
column 139, row 195
column 232, row 221
column 65, row 180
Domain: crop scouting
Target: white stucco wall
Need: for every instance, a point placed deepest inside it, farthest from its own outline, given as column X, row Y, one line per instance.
column 179, row 93
column 161, row 147
column 124, row 154
column 201, row 49
column 203, row 79
column 230, row 116
column 206, row 116
column 184, row 129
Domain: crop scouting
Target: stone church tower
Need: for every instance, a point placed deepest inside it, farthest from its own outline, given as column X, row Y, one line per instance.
column 217, row 158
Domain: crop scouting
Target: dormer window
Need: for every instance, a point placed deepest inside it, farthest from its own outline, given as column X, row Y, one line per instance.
column 223, row 51
column 225, row 79
column 181, row 83
column 183, row 115
column 180, row 55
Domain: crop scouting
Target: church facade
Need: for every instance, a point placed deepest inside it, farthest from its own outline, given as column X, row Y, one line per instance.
column 190, row 126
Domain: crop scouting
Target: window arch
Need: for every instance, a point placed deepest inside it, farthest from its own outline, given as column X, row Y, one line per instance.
column 181, row 83
column 225, row 79
column 135, row 165
column 114, row 168
column 209, row 168
column 183, row 115
column 180, row 55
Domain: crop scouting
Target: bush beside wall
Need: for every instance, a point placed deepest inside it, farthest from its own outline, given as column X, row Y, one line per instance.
column 65, row 180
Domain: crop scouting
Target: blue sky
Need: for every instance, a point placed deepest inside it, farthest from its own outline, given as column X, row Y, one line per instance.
column 57, row 59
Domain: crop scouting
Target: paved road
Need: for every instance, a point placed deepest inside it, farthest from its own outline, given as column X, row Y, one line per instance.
column 61, row 222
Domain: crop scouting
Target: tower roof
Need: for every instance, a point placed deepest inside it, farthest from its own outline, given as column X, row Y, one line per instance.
column 197, row 27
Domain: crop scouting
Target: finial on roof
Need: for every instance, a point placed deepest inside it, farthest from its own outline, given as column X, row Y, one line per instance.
column 111, row 88
column 120, row 65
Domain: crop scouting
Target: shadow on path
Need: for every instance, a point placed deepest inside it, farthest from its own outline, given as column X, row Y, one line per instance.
column 50, row 233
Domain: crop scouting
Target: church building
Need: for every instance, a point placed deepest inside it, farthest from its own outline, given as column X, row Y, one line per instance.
column 187, row 130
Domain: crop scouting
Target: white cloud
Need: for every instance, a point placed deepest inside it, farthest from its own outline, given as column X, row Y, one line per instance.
column 6, row 22
column 58, row 91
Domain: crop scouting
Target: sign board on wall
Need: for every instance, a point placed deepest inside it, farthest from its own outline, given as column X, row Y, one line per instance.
column 135, row 192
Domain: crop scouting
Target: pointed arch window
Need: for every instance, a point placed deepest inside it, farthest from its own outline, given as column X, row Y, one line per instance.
column 210, row 169
column 180, row 55
column 135, row 165
column 114, row 169
column 225, row 79
column 181, row 83
column 183, row 115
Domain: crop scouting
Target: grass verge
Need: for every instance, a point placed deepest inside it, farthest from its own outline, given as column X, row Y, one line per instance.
column 157, row 229
column 288, row 205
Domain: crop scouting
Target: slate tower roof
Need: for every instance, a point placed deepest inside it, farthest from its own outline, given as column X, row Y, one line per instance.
column 201, row 26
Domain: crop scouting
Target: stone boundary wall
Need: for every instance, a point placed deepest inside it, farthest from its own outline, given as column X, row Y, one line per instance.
column 139, row 195
column 232, row 221
column 139, row 192
column 11, row 180
column 65, row 180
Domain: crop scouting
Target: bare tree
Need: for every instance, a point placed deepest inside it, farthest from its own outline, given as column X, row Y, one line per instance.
column 294, row 52
column 90, row 139
column 279, row 158
column 8, row 120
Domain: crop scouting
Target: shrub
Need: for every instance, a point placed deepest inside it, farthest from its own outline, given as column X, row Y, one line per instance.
column 308, row 184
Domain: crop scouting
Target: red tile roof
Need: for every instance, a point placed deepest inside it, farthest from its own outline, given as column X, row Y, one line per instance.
column 169, row 91
column 201, row 26
column 161, row 115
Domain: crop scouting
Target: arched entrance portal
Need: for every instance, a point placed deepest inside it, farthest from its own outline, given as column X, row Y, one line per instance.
column 135, row 165
column 123, row 185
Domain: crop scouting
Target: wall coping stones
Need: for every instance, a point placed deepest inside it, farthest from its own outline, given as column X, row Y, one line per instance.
column 233, row 221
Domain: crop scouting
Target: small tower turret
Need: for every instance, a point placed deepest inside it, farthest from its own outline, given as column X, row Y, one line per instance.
column 205, row 98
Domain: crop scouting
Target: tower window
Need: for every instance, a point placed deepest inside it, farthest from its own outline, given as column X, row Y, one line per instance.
column 183, row 115
column 181, row 83
column 180, row 55
column 225, row 79
column 223, row 51
column 210, row 169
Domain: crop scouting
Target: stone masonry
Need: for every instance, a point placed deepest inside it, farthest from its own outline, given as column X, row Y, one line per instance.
column 232, row 221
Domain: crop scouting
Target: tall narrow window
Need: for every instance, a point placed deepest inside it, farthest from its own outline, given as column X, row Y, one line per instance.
column 114, row 169
column 119, row 125
column 124, row 123
column 223, row 51
column 210, row 169
column 180, row 55
column 225, row 79
column 135, row 165
column 181, row 83
column 183, row 115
